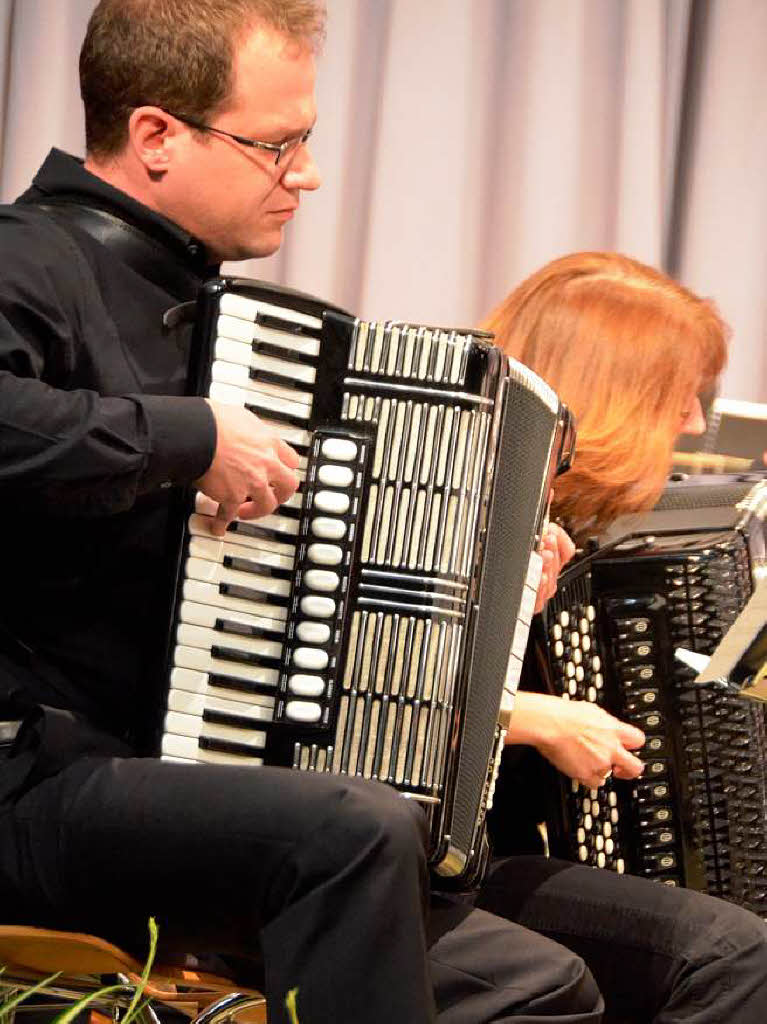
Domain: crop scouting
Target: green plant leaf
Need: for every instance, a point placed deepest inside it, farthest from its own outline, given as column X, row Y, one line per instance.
column 72, row 1011
column 131, row 1012
column 11, row 1004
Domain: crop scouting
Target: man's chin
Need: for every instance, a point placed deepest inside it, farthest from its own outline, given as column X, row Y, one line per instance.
column 256, row 250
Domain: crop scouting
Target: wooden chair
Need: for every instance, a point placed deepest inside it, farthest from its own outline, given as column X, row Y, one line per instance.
column 31, row 954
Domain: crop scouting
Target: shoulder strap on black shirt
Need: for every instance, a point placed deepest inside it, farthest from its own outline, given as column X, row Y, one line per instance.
column 136, row 249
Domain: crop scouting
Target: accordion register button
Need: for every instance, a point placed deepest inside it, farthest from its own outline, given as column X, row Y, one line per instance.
column 339, row 448
column 331, row 501
column 318, row 607
column 305, row 685
column 335, row 476
column 322, row 579
column 313, row 632
column 303, row 711
column 325, row 554
column 328, row 529
column 310, row 657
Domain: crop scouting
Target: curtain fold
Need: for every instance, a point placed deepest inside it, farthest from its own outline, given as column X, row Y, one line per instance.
column 465, row 143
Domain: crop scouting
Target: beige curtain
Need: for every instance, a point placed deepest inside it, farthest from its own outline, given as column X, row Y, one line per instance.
column 465, row 142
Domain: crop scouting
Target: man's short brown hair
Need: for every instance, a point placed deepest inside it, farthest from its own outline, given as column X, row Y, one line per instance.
column 174, row 54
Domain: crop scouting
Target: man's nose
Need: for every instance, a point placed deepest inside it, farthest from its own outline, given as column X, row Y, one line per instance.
column 303, row 172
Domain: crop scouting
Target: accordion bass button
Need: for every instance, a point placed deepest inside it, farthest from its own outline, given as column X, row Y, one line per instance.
column 339, row 448
column 325, row 554
column 332, row 501
column 306, row 685
column 310, row 657
column 328, row 529
column 313, row 632
column 322, row 579
column 303, row 711
column 335, row 476
column 318, row 607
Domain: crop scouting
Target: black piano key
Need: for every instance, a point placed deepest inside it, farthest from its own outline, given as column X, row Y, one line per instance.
column 245, row 629
column 265, row 348
column 277, row 415
column 230, row 747
column 264, row 532
column 232, row 720
column 271, row 377
column 277, row 323
column 252, row 565
column 223, row 682
column 251, row 594
column 244, row 657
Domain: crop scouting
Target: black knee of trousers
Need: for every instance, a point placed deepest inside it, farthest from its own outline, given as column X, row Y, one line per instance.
column 361, row 830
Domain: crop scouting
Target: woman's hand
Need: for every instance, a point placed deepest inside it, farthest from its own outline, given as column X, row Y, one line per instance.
column 556, row 550
column 579, row 738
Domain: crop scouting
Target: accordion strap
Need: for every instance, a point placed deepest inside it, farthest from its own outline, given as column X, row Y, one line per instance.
column 135, row 248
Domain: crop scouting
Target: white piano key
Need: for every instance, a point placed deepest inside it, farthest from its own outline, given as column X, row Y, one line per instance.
column 327, row 528
column 313, row 632
column 249, row 308
column 325, row 554
column 304, row 685
column 303, row 711
column 340, row 448
column 290, row 399
column 318, row 607
column 334, row 502
column 190, row 725
column 232, row 351
column 197, row 704
column 322, row 580
column 207, row 615
column 250, row 396
column 335, row 476
column 186, row 680
column 200, row 636
column 313, row 658
column 285, row 525
column 199, row 526
column 187, row 748
column 202, row 661
column 231, row 395
column 211, row 572
column 208, row 593
column 215, row 549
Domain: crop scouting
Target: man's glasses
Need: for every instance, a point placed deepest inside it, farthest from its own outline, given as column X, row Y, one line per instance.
column 279, row 149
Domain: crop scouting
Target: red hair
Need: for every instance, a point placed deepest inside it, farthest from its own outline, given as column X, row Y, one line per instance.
column 627, row 349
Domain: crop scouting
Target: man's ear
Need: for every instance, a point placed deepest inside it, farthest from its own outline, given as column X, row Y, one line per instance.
column 153, row 135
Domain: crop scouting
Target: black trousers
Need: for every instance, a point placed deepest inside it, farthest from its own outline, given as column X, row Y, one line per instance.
column 322, row 877
column 658, row 954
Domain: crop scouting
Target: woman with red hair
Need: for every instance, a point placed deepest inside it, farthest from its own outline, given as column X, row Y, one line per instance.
column 628, row 350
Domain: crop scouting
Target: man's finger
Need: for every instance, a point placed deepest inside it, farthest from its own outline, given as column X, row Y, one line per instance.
column 286, row 454
column 282, row 481
column 225, row 514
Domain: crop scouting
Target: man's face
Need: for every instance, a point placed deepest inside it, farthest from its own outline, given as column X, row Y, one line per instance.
column 235, row 198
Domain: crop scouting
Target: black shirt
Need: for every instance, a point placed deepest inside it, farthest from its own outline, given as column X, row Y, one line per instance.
column 94, row 432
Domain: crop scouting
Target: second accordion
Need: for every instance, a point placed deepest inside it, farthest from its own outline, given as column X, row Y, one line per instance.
column 676, row 577
column 374, row 625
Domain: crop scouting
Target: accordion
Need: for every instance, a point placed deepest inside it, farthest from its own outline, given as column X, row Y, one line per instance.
column 374, row 625
column 698, row 815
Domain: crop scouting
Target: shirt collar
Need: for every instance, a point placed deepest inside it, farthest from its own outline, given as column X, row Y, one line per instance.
column 64, row 175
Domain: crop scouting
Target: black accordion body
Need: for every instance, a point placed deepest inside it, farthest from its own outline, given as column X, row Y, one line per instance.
column 374, row 625
column 698, row 815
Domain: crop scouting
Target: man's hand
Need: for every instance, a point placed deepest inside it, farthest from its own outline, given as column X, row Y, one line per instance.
column 578, row 737
column 556, row 550
column 252, row 471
